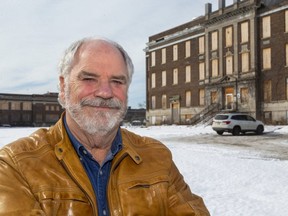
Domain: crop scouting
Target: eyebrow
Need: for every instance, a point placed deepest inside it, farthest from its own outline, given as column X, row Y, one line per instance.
column 89, row 74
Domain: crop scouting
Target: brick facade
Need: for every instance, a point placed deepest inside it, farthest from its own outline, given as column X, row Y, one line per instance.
column 237, row 75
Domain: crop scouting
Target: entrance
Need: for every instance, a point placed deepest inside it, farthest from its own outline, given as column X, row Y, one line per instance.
column 229, row 98
column 175, row 113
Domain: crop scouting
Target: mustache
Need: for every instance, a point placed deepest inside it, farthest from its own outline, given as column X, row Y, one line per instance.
column 100, row 102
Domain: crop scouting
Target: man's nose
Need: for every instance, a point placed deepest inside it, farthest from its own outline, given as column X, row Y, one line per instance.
column 104, row 90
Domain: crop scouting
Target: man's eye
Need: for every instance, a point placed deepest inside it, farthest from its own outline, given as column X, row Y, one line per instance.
column 88, row 79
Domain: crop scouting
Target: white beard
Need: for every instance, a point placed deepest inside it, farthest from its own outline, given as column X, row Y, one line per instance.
column 94, row 121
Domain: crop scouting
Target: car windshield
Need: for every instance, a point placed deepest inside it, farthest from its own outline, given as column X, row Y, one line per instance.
column 221, row 117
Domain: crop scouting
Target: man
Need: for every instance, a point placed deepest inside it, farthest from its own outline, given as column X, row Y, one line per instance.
column 86, row 164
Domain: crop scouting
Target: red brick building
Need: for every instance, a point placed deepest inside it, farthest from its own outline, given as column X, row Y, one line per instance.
column 231, row 59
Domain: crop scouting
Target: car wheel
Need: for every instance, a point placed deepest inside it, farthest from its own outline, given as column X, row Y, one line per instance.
column 259, row 129
column 236, row 131
column 220, row 132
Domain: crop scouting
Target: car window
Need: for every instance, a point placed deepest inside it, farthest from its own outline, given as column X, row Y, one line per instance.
column 221, row 117
column 249, row 118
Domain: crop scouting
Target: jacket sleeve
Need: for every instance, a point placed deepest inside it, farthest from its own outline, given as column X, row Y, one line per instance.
column 181, row 200
column 16, row 197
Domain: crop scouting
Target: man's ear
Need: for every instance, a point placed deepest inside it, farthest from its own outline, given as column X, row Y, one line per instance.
column 62, row 87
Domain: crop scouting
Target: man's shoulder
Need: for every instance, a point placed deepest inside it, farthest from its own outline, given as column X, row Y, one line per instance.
column 38, row 140
column 140, row 141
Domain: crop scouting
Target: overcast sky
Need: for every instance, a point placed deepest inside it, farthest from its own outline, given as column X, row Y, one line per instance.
column 35, row 33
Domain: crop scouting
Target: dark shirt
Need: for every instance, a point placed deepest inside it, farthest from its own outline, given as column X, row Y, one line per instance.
column 98, row 175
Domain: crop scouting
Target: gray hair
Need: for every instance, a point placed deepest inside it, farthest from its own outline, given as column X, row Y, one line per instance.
column 66, row 63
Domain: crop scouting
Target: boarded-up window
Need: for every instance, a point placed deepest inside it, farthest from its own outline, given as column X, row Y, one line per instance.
column 175, row 76
column 201, row 97
column 214, row 40
column 164, row 101
column 153, row 80
column 266, row 27
column 267, row 58
column 15, row 105
column 188, row 98
column 27, row 105
column 187, row 49
column 267, row 91
column 153, row 102
column 228, row 36
column 4, row 105
column 175, row 52
column 286, row 21
column 286, row 54
column 229, row 65
column 245, row 62
column 214, row 97
column 244, row 95
column 188, row 73
column 163, row 78
column 201, row 45
column 286, row 88
column 244, row 32
column 214, row 67
column 163, row 56
column 201, row 71
column 153, row 59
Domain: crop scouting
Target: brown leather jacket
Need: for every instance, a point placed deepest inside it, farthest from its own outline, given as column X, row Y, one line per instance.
column 42, row 175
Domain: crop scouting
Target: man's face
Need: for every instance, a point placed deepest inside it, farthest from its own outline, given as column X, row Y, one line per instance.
column 96, row 91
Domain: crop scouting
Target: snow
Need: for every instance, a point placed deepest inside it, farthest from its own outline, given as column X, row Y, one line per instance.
column 235, row 175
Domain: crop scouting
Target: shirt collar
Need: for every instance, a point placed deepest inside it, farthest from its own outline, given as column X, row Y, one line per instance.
column 115, row 148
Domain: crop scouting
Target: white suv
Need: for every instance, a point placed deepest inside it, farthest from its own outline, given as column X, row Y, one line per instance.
column 236, row 123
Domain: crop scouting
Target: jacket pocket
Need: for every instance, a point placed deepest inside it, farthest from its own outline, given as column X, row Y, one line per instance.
column 145, row 196
column 64, row 203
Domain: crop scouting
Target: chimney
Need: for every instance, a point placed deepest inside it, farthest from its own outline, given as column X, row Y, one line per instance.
column 208, row 10
column 222, row 4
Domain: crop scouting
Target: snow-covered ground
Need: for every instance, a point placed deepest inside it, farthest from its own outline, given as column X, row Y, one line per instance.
column 242, row 175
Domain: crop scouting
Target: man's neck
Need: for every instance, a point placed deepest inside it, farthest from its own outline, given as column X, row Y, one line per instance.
column 98, row 145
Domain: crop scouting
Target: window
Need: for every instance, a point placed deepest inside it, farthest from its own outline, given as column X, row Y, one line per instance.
column 175, row 52
column 286, row 21
column 244, row 95
column 245, row 62
column 27, row 105
column 201, row 97
column 163, row 78
column 153, row 59
column 214, row 67
column 201, row 42
column 228, row 36
column 267, row 58
column 201, row 71
column 4, row 105
column 153, row 102
column 188, row 74
column 286, row 88
column 244, row 32
column 15, row 105
column 187, row 49
column 286, row 54
column 267, row 91
column 163, row 56
column 153, row 80
column 188, row 98
column 229, row 65
column 175, row 76
column 164, row 101
column 266, row 27
column 214, row 40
